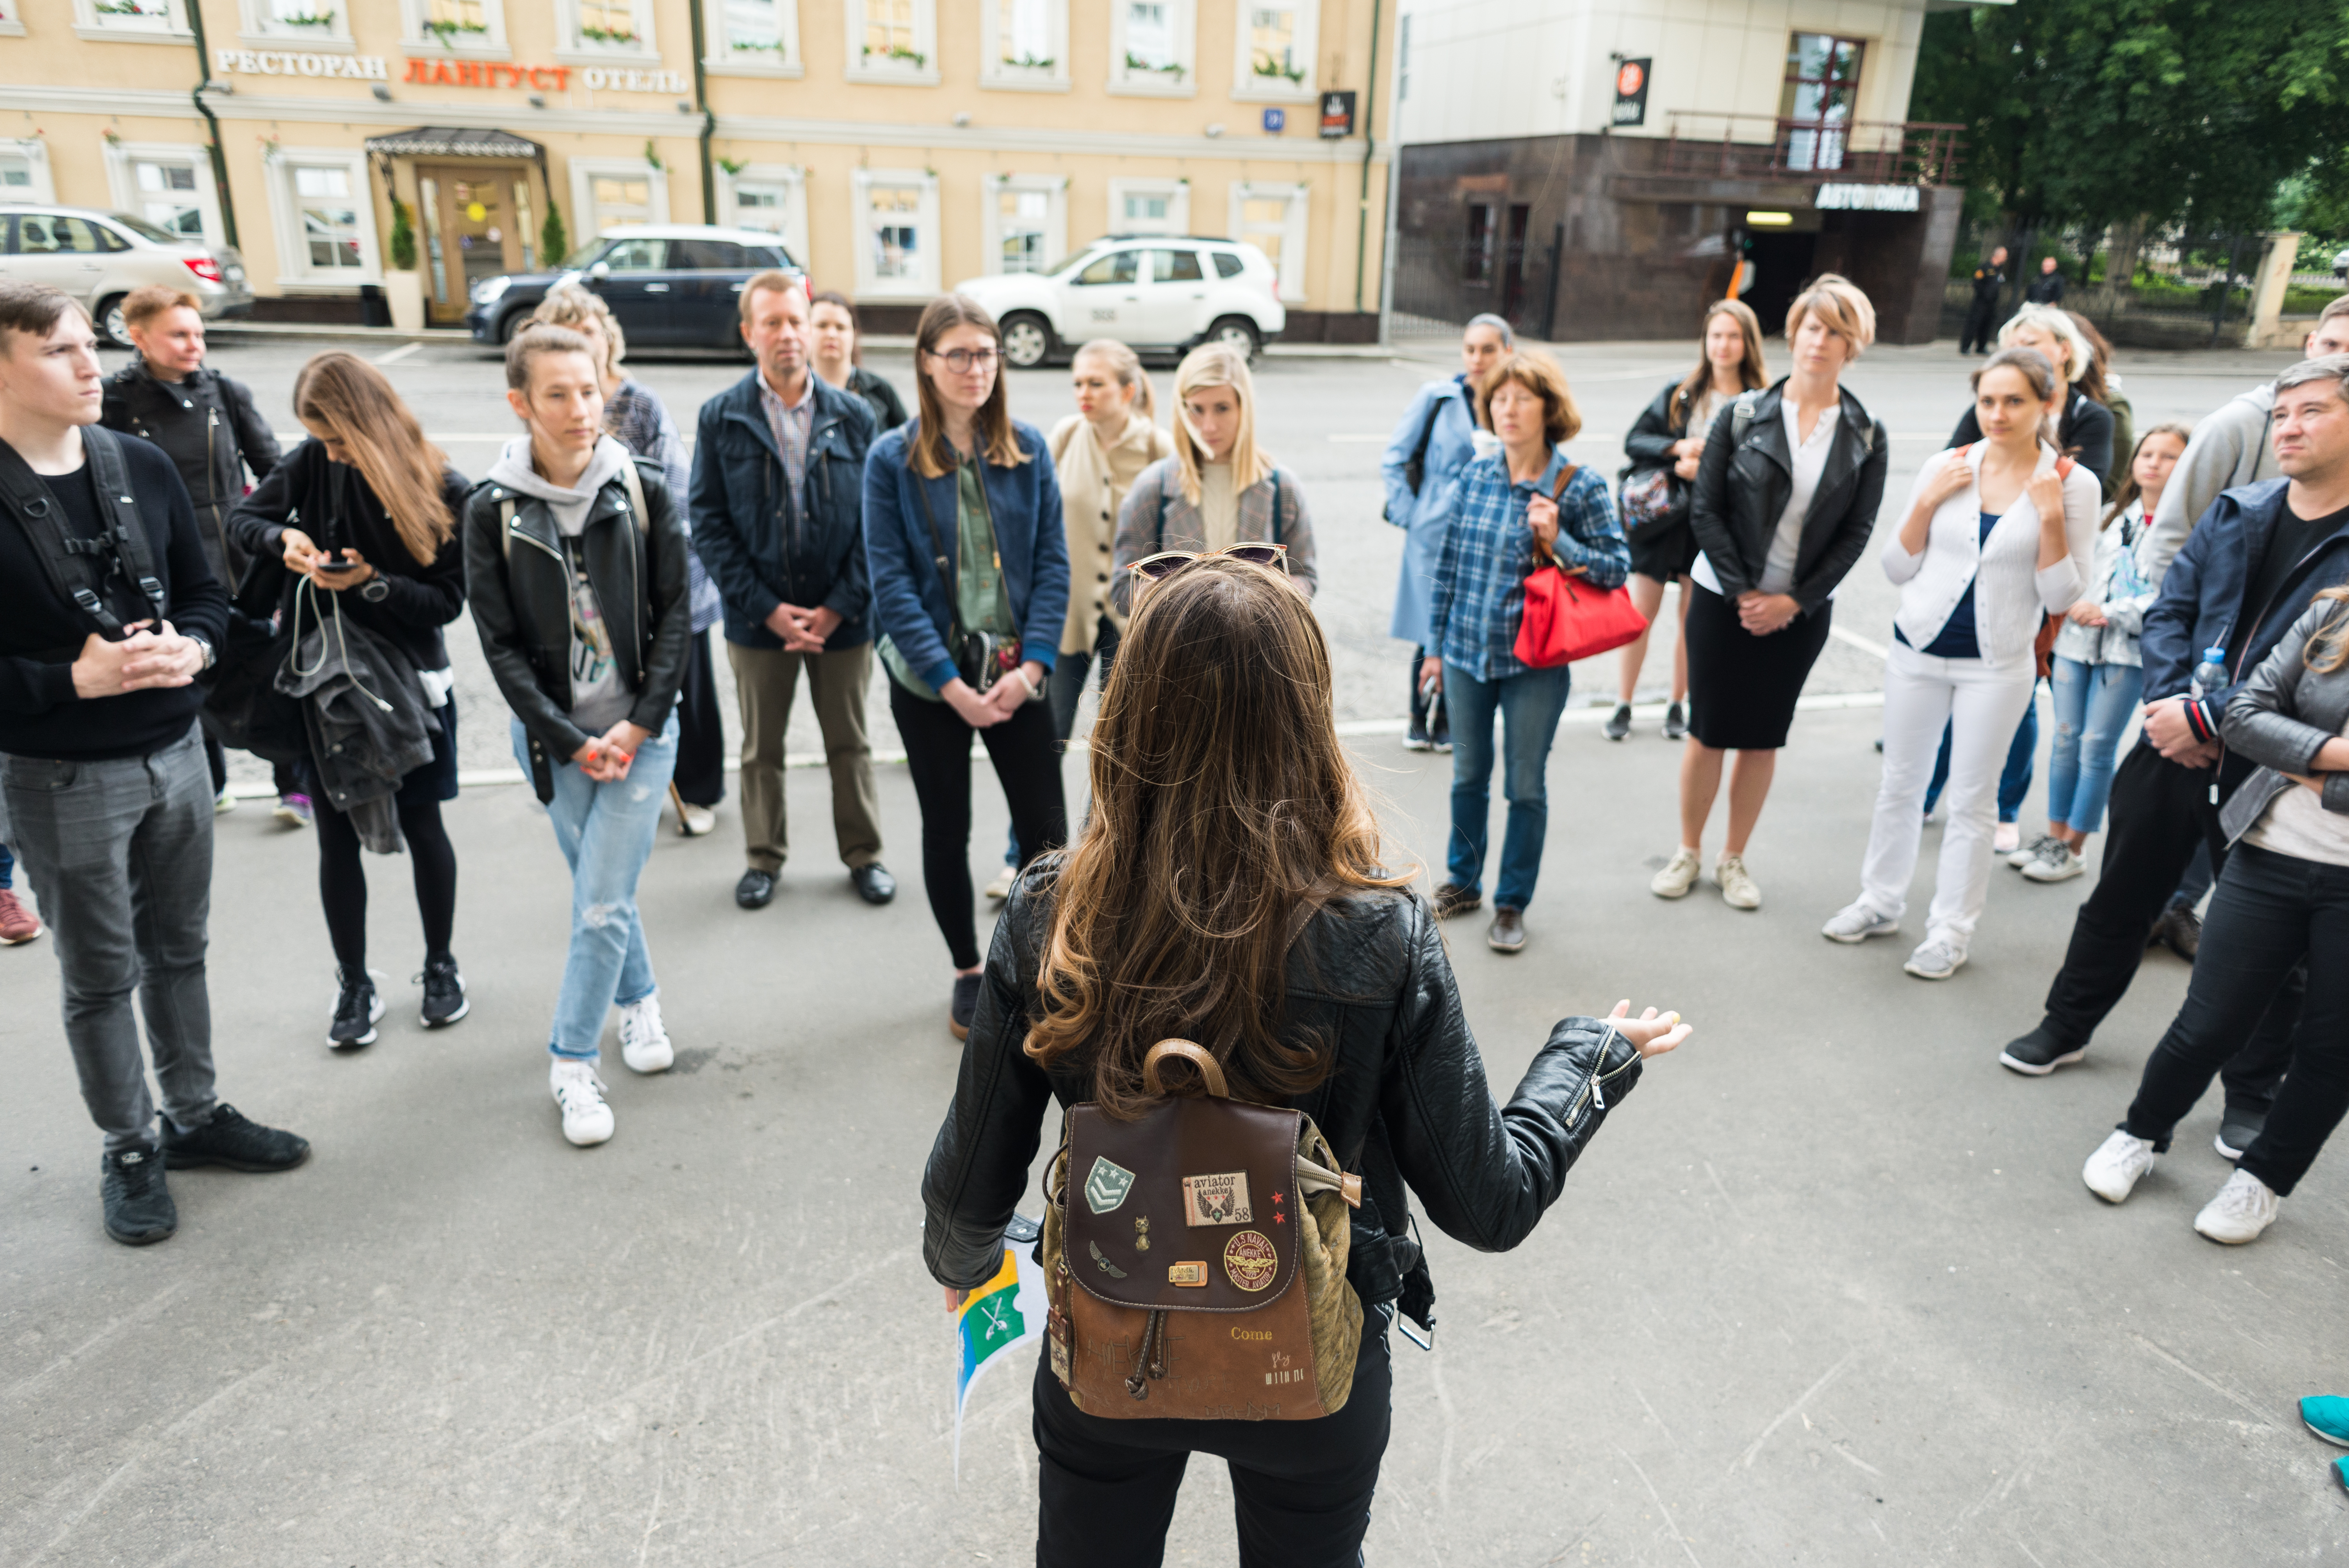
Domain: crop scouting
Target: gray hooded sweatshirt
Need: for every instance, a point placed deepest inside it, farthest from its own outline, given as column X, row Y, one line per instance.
column 600, row 695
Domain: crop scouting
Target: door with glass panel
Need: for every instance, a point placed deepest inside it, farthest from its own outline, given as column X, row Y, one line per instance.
column 475, row 229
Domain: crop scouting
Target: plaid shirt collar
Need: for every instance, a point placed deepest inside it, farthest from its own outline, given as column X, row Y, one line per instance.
column 790, row 423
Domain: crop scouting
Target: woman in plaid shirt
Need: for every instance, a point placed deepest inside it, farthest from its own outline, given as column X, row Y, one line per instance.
column 1517, row 507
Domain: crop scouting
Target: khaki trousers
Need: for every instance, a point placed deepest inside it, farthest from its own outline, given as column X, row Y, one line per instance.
column 765, row 680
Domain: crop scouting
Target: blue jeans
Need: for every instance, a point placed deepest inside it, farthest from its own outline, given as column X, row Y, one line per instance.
column 2093, row 704
column 605, row 832
column 2013, row 779
column 1529, row 705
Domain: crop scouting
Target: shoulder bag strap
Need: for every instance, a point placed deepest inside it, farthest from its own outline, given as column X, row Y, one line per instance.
column 115, row 499
column 1275, row 503
column 37, row 513
column 636, row 482
column 1557, row 496
column 1427, row 435
column 947, row 573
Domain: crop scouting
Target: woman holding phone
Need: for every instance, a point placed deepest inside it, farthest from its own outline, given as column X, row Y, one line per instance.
column 968, row 647
column 364, row 516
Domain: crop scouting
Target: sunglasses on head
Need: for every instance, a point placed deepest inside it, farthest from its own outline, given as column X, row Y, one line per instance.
column 1166, row 563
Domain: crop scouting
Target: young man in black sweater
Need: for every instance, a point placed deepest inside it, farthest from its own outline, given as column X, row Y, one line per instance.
column 109, row 802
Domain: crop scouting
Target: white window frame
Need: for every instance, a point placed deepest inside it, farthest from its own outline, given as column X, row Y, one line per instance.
column 571, row 49
column 923, row 284
column 90, row 27
column 584, row 171
column 261, row 31
column 899, row 73
column 122, row 179
column 1249, row 86
column 1182, row 26
column 1055, row 189
column 489, row 46
column 12, row 21
column 792, row 178
column 295, row 273
column 35, row 152
column 724, row 60
column 994, row 71
column 1178, row 205
column 1293, row 228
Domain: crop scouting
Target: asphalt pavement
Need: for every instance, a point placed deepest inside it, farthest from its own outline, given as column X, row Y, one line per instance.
column 1826, row 1290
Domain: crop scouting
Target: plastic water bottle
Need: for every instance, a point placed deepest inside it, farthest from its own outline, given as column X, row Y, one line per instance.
column 2211, row 674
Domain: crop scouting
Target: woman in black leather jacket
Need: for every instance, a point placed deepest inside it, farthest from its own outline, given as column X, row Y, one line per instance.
column 1227, row 889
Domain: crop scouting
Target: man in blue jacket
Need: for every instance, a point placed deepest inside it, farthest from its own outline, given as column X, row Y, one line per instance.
column 2253, row 563
column 778, row 508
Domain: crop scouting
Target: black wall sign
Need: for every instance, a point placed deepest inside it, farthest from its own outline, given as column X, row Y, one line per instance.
column 1337, row 114
column 1632, row 92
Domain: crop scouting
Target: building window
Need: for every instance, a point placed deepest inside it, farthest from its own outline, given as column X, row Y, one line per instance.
column 456, row 26
column 167, row 196
column 599, row 29
column 1821, row 89
column 24, row 171
column 758, row 35
column 1024, row 222
column 1151, row 48
column 897, row 234
column 1272, row 219
column 168, row 185
column 1026, row 45
column 1148, row 207
column 323, row 217
column 329, row 211
column 143, row 19
column 1476, row 256
column 893, row 41
column 771, row 197
column 311, row 22
column 1274, row 53
column 1402, row 57
column 608, row 192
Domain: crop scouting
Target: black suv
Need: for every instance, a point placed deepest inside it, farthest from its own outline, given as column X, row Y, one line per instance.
column 671, row 286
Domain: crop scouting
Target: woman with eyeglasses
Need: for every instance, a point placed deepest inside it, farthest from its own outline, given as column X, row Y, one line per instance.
column 1219, row 489
column 1524, row 504
column 968, row 646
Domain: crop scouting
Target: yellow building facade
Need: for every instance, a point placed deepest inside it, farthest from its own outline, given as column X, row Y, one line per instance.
column 897, row 146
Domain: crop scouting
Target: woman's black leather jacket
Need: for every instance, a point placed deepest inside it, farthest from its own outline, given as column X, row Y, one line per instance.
column 1407, row 1105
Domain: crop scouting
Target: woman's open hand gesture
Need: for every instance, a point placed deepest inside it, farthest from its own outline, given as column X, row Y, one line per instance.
column 1649, row 1034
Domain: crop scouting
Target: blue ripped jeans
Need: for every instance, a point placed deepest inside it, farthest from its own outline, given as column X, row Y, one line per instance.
column 605, row 832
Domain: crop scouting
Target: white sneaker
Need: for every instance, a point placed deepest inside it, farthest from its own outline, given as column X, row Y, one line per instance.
column 1935, row 958
column 1737, row 888
column 223, row 803
column 1857, row 922
column 2031, row 850
column 696, row 822
column 2005, row 839
column 2244, row 1207
column 643, row 1044
column 2114, row 1169
column 586, row 1118
column 1001, row 888
column 1677, row 878
column 2057, row 862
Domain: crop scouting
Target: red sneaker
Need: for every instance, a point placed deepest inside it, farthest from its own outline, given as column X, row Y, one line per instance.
column 16, row 922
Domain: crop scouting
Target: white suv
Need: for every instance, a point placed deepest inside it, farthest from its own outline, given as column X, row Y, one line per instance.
column 1151, row 291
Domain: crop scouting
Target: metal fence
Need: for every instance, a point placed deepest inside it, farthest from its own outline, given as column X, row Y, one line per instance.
column 1699, row 145
column 1440, row 283
column 2169, row 288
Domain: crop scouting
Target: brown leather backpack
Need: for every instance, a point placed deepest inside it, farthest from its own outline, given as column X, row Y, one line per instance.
column 1197, row 1263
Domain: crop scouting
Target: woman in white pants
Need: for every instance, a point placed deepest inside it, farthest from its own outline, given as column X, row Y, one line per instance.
column 1999, row 534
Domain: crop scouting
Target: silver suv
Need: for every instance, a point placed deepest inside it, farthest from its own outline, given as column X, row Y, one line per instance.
column 99, row 257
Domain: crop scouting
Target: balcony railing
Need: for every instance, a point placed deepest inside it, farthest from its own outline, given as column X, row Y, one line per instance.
column 1762, row 147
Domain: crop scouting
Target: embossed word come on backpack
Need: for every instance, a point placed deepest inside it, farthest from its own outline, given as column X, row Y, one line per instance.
column 1196, row 1259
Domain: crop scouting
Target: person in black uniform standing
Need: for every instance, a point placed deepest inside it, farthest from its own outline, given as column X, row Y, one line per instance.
column 1982, row 317
column 2047, row 288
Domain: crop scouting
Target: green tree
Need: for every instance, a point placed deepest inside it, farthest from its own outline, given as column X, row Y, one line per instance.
column 2093, row 112
column 553, row 242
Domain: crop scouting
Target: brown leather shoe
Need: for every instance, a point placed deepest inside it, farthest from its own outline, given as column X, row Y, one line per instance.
column 1451, row 899
column 1509, row 932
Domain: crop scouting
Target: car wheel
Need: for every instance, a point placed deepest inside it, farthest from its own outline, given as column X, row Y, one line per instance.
column 1238, row 333
column 1027, row 340
column 512, row 323
column 110, row 321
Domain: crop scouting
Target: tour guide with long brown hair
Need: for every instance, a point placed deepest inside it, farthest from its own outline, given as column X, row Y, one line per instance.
column 1229, row 889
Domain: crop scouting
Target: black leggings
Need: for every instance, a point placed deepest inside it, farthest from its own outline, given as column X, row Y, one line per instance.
column 937, row 754
column 342, row 880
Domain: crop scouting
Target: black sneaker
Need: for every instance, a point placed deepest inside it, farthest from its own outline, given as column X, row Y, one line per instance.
column 2238, row 1131
column 444, row 993
column 1618, row 723
column 230, row 1139
column 1676, row 722
column 964, row 1006
column 138, row 1207
column 2181, row 929
column 356, row 1010
column 1451, row 899
column 2039, row 1053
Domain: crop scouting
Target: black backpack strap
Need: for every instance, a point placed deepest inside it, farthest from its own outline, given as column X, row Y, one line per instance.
column 104, row 450
column 1276, row 505
column 73, row 567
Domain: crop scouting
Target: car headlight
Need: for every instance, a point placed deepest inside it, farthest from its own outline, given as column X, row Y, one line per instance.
column 488, row 290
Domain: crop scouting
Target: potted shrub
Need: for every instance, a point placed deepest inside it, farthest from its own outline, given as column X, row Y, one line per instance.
column 403, row 287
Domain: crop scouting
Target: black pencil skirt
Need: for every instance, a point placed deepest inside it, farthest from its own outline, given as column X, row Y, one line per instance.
column 1742, row 687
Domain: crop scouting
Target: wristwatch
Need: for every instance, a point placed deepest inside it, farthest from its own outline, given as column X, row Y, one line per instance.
column 375, row 591
column 203, row 645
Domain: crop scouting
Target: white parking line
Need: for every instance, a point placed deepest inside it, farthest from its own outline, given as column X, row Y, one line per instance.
column 395, row 355
column 1873, row 650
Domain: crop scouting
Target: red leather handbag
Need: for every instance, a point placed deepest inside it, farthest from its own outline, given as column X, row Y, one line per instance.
column 1566, row 618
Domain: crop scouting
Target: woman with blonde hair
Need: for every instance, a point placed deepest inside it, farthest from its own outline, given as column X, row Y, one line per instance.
column 1218, row 488
column 1665, row 442
column 364, row 516
column 636, row 419
column 1230, row 887
column 1786, row 498
column 1098, row 451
